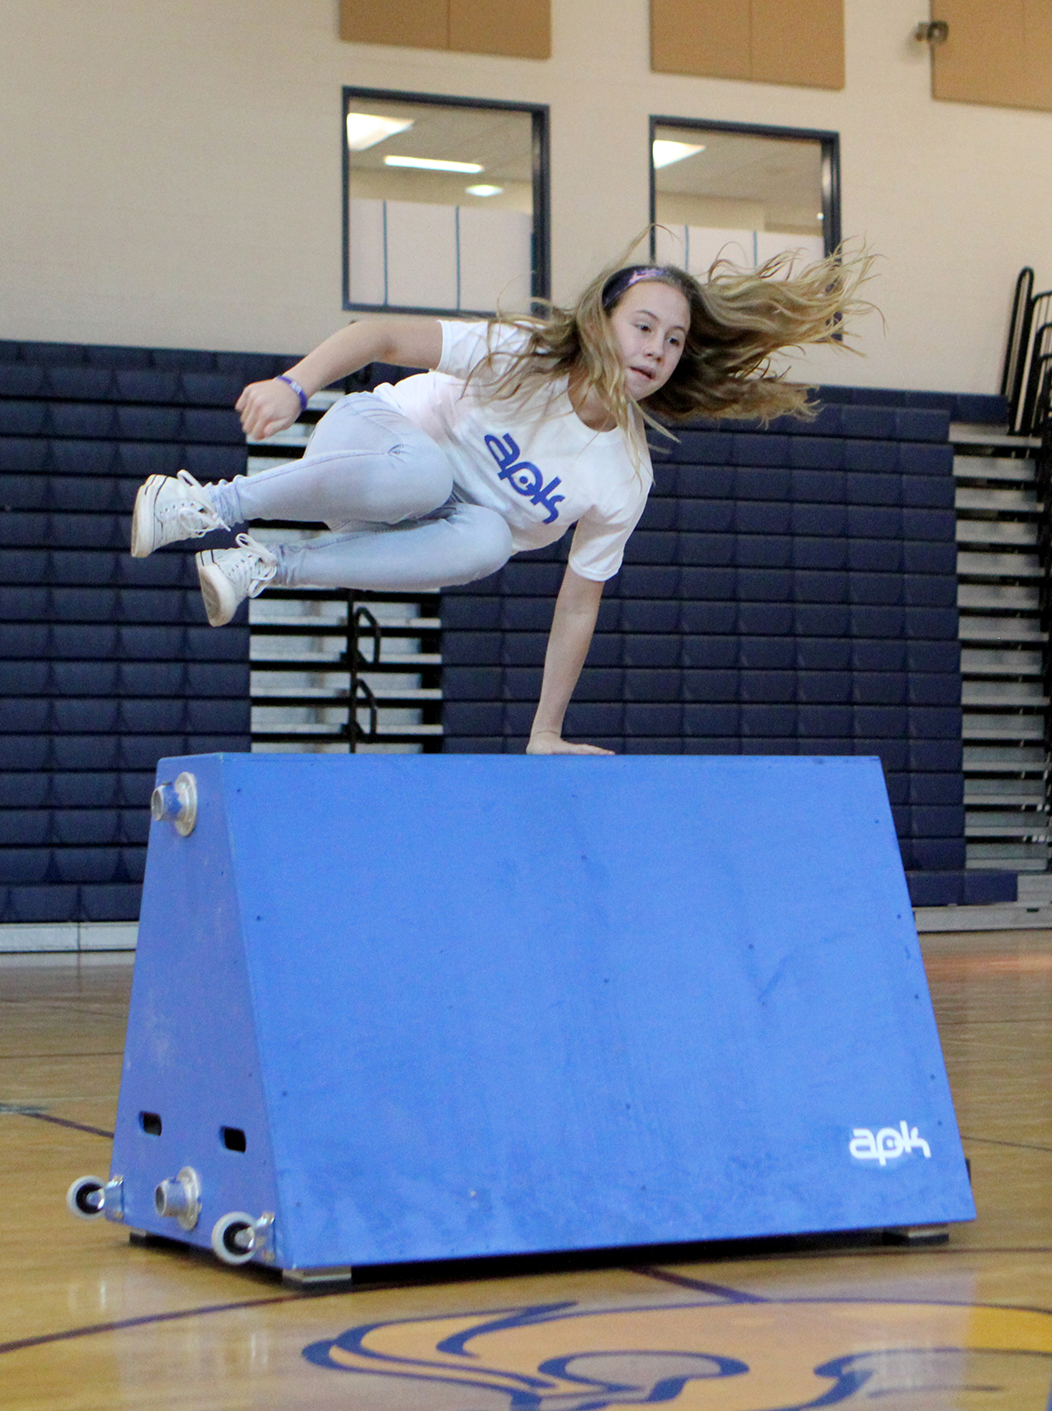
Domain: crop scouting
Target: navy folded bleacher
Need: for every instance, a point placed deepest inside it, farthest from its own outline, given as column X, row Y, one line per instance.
column 789, row 591
column 106, row 662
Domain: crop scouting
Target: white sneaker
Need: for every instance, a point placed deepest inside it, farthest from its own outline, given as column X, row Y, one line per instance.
column 169, row 508
column 229, row 576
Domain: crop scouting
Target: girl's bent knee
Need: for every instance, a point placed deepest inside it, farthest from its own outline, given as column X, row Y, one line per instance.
column 430, row 473
column 490, row 539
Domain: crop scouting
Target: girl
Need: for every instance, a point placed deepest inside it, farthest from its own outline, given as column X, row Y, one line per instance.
column 520, row 429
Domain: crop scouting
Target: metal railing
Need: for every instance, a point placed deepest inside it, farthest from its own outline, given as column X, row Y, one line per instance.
column 1026, row 369
column 342, row 676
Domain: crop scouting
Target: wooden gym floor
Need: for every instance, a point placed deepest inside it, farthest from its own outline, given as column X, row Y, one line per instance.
column 89, row 1321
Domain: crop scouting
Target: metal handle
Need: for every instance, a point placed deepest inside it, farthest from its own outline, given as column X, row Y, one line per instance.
column 180, row 1198
column 932, row 32
column 176, row 803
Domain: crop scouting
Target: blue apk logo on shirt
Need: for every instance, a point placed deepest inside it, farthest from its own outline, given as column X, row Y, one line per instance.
column 523, row 476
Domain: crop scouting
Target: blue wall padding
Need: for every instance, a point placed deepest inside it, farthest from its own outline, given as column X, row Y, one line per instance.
column 797, row 586
column 106, row 662
column 479, row 1006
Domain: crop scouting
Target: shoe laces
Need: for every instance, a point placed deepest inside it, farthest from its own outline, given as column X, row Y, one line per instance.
column 192, row 509
column 252, row 569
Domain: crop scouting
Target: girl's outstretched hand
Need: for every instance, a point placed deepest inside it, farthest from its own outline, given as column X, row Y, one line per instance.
column 548, row 742
column 267, row 408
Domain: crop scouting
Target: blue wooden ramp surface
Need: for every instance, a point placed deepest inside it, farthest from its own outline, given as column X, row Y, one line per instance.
column 470, row 1005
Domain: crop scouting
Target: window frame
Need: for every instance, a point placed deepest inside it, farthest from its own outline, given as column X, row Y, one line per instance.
column 830, row 158
column 540, row 283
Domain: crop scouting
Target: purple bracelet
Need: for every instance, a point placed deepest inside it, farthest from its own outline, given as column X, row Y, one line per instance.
column 296, row 388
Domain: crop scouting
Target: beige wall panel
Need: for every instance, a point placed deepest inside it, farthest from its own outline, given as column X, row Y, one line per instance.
column 704, row 37
column 982, row 60
column 798, row 41
column 517, row 28
column 1037, row 39
column 415, row 24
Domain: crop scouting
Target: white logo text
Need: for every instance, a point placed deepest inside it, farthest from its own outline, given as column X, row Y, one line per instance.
column 887, row 1144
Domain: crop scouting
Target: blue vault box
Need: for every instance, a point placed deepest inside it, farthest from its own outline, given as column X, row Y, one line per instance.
column 413, row 1007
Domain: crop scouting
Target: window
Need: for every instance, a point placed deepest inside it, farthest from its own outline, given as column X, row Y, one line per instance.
column 746, row 192
column 445, row 203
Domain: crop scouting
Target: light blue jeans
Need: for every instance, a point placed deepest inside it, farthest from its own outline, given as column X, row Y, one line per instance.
column 386, row 489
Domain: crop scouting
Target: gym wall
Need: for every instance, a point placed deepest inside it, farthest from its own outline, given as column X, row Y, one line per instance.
column 174, row 170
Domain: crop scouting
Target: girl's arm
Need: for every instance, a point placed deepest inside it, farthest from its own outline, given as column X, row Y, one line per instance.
column 573, row 623
column 269, row 407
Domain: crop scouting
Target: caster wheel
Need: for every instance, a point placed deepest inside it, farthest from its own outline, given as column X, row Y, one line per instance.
column 234, row 1237
column 84, row 1199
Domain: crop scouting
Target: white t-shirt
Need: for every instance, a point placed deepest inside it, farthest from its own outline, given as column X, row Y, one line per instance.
column 534, row 462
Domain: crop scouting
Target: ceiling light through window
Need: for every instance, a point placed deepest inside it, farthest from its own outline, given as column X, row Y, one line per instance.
column 666, row 152
column 365, row 130
column 432, row 164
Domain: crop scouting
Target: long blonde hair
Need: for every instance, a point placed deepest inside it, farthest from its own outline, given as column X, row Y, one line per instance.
column 738, row 320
